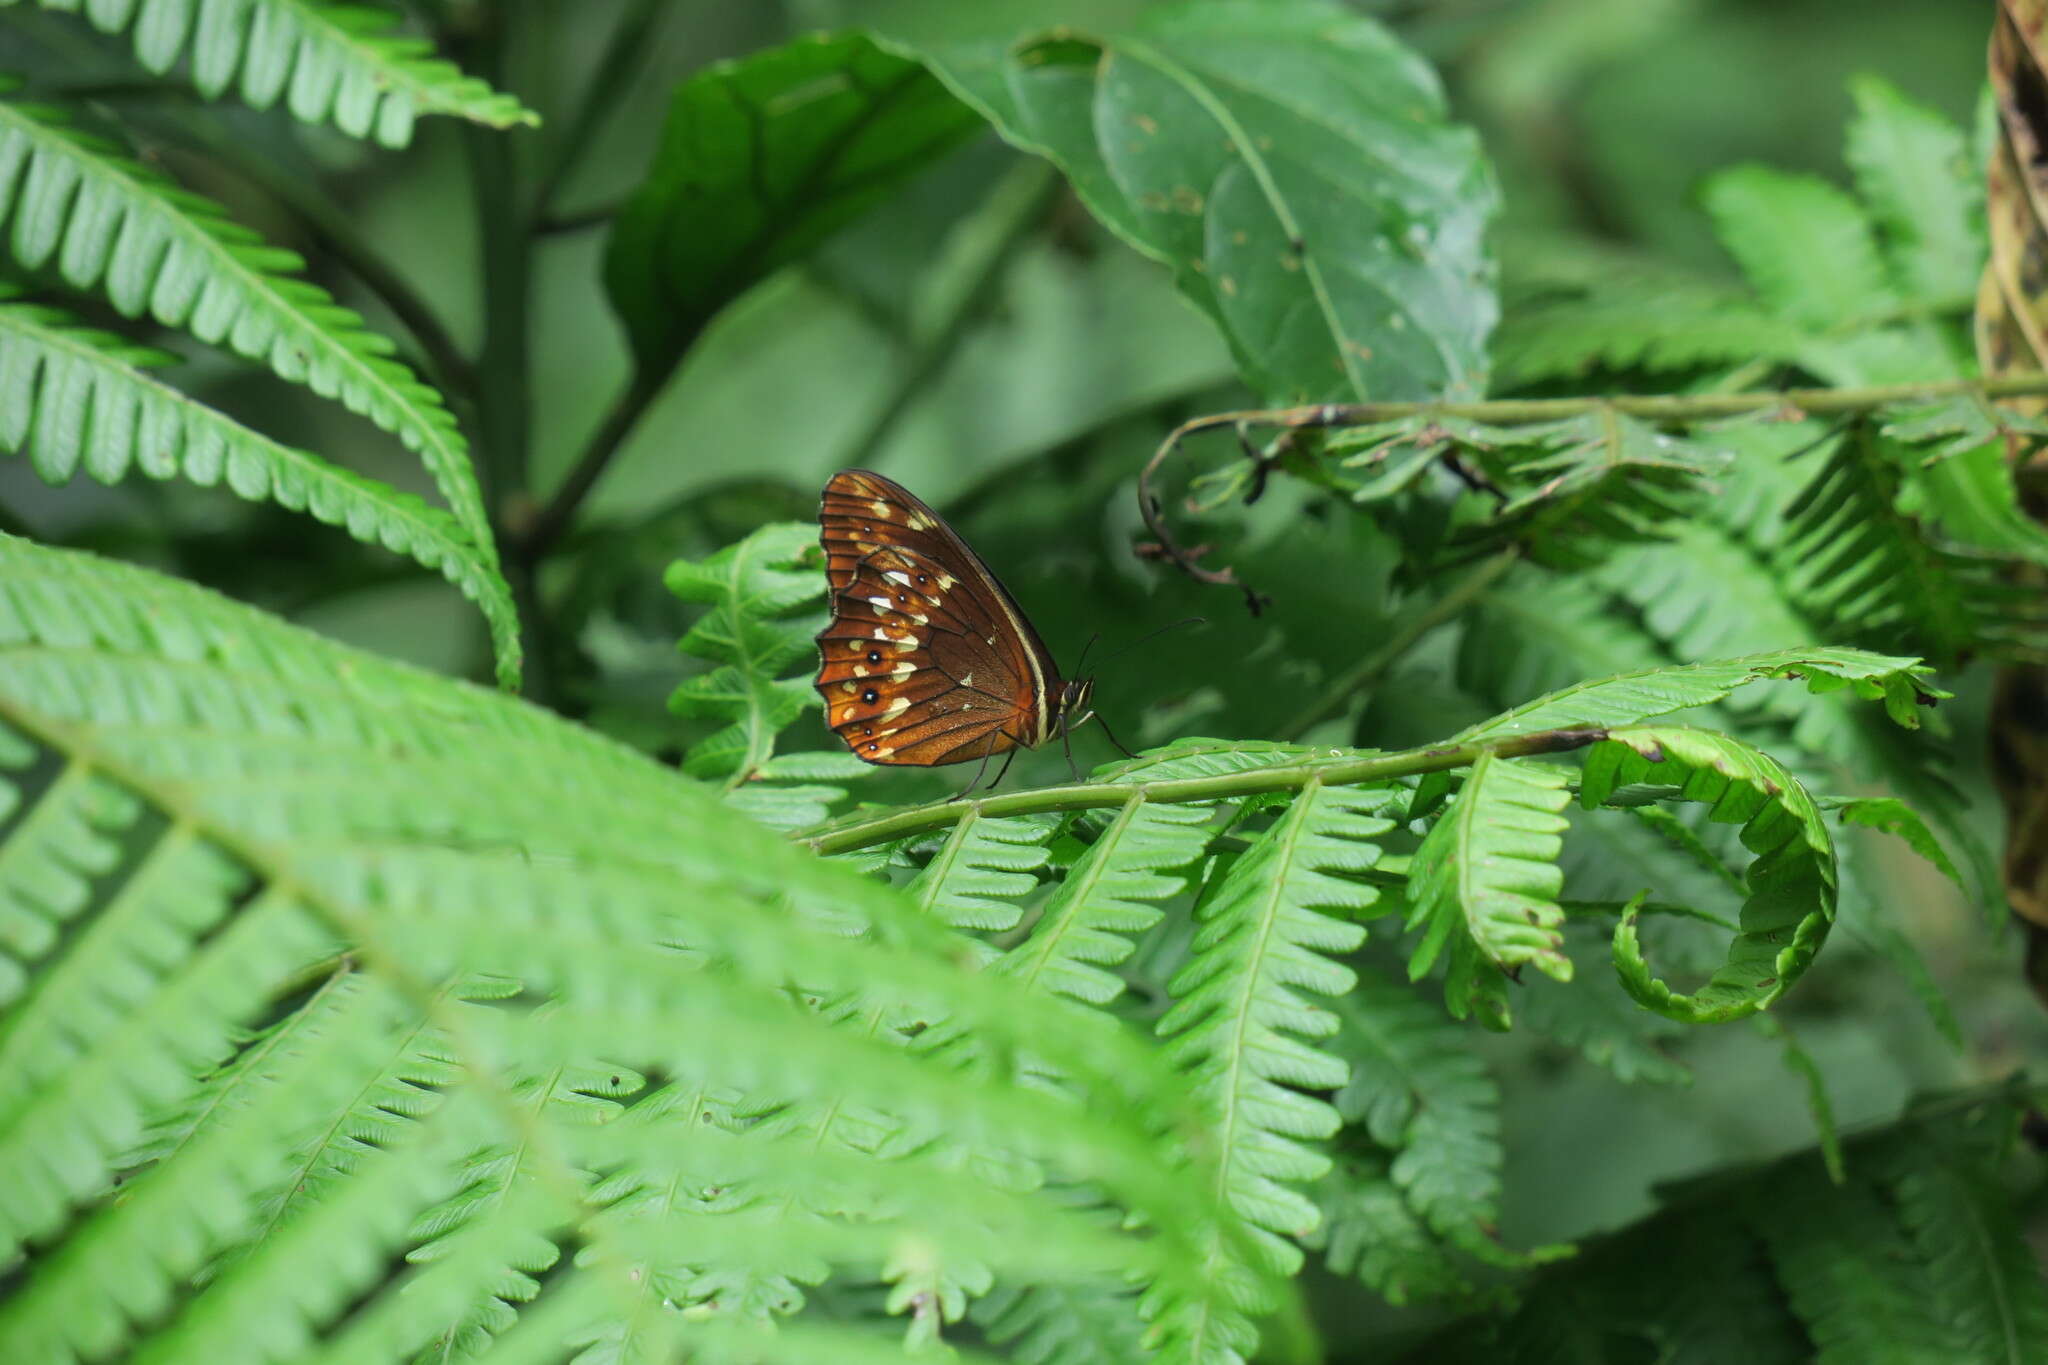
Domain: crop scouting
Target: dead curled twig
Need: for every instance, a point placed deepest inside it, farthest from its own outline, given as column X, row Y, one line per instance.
column 1186, row 559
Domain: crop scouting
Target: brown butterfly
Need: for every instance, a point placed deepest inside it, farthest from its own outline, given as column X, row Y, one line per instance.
column 927, row 659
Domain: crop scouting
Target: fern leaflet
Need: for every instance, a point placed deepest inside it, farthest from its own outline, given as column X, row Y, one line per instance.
column 335, row 63
column 75, row 398
column 1237, row 1027
column 102, row 219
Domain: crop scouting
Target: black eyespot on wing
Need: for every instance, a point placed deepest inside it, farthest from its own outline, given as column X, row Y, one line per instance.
column 874, row 655
column 871, row 696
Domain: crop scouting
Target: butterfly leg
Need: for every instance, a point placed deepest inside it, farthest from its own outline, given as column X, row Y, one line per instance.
column 975, row 781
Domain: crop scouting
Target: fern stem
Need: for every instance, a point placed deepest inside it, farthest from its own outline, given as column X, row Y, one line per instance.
column 1653, row 407
column 857, row 834
column 624, row 54
column 1410, row 633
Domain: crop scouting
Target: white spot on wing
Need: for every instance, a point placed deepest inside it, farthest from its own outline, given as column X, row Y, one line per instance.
column 896, row 708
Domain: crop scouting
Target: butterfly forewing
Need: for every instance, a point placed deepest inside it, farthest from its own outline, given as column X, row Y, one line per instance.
column 926, row 660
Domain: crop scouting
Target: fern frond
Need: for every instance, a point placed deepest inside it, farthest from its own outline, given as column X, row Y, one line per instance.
column 1780, row 1264
column 982, row 869
column 1982, row 1278
column 1901, row 683
column 1869, row 568
column 1791, row 881
column 1601, row 481
column 103, row 220
column 1238, row 1025
column 1370, row 1232
column 1595, row 1017
column 755, row 589
column 1108, row 898
column 74, row 399
column 1893, row 816
column 1801, row 1064
column 1536, row 633
column 331, row 63
column 1805, row 245
column 1629, row 323
column 1927, row 198
column 355, row 816
column 1486, row 876
column 1056, row 1324
column 1423, row 1095
column 1849, row 1272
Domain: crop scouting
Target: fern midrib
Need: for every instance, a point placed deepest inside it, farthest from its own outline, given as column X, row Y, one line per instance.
column 1286, row 846
column 260, row 1051
column 1987, row 1256
column 1041, row 948
column 940, row 869
column 451, row 459
column 325, row 1141
column 760, row 736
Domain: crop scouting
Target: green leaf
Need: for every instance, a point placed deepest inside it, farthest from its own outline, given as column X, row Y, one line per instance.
column 750, row 634
column 101, row 219
column 256, row 818
column 1871, row 570
column 331, row 63
column 1487, row 872
column 1805, row 245
column 1927, row 197
column 1791, row 881
column 1596, row 481
column 1900, row 683
column 1421, row 1092
column 1091, row 921
column 1801, row 1064
column 74, row 398
column 982, row 869
column 1291, row 163
column 1245, row 1033
column 762, row 159
column 1370, row 1233
column 1894, row 817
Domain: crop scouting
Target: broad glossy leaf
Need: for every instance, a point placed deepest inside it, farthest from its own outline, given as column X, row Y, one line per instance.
column 1292, row 163
column 761, row 160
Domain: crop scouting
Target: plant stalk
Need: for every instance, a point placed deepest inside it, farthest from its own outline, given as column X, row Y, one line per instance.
column 846, row 836
column 1656, row 407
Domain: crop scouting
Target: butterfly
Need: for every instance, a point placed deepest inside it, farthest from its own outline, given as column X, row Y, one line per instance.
column 927, row 659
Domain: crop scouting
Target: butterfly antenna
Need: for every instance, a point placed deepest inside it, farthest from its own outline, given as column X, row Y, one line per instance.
column 1112, row 734
column 1081, row 664
column 1152, row 635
